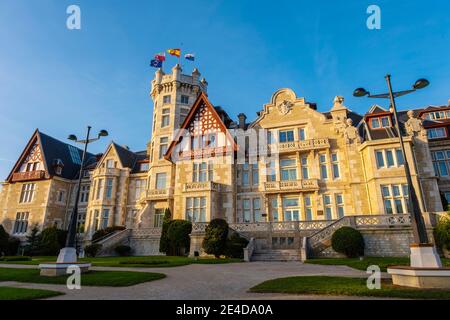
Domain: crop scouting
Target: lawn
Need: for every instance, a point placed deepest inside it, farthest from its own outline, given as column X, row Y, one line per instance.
column 138, row 261
column 382, row 262
column 93, row 278
column 338, row 286
column 10, row 293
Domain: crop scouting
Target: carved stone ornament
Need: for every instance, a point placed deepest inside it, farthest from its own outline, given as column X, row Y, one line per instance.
column 285, row 107
column 414, row 126
column 351, row 133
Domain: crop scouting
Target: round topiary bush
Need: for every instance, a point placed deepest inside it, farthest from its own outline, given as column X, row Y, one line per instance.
column 215, row 241
column 348, row 241
column 178, row 236
column 235, row 246
column 123, row 250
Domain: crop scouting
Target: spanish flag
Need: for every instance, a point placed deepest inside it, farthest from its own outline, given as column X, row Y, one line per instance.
column 174, row 52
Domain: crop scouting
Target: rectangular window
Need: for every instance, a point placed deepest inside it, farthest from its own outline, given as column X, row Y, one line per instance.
column 105, row 218
column 84, row 194
column 110, row 163
column 96, row 220
column 61, row 196
column 271, row 171
column 399, row 155
column 302, row 134
column 184, row 99
column 81, row 222
column 436, row 133
column 335, row 166
column 99, row 189
column 202, row 172
column 139, row 188
column 375, row 123
column 27, row 193
column 395, row 198
column 305, row 171
column 385, row 123
column 109, row 187
column 144, row 167
column 183, row 114
column 158, row 219
column 340, row 205
column 245, row 174
column 274, row 208
column 389, row 158
column 21, row 223
column 255, row 174
column 163, row 145
column 323, row 166
column 212, row 140
column 328, row 207
column 246, row 210
column 286, row 136
column 288, row 169
column 161, row 181
column 380, row 159
column 196, row 209
column 165, row 120
column 441, row 162
column 166, row 99
column 257, row 216
column 291, row 209
column 308, row 208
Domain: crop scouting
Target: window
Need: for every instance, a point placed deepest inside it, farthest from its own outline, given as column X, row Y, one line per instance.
column 84, row 194
column 328, row 207
column 196, row 209
column 255, row 174
column 159, row 217
column 110, row 163
column 308, row 208
column 21, row 223
column 144, row 166
column 437, row 115
column 305, row 171
column 323, row 166
column 99, row 189
column 202, row 172
column 165, row 120
column 375, row 123
column 257, row 210
column 163, row 145
column 184, row 99
column 166, row 99
column 160, row 181
column 109, row 187
column 139, row 188
column 271, row 173
column 395, row 198
column 286, row 136
column 335, row 166
column 61, row 196
column 436, row 133
column 270, row 137
column 441, row 162
column 96, row 221
column 245, row 174
column 246, row 210
column 288, row 168
column 274, row 208
column 81, row 221
column 183, row 114
column 291, row 209
column 388, row 158
column 105, row 218
column 340, row 205
column 212, row 140
column 381, row 122
column 302, row 134
column 27, row 193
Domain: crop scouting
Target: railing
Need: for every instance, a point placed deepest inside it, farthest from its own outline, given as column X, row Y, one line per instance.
column 28, row 176
column 248, row 250
column 312, row 144
column 157, row 194
column 276, row 186
column 144, row 233
column 383, row 220
column 201, row 186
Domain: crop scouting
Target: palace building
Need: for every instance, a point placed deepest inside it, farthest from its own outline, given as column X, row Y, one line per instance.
column 290, row 164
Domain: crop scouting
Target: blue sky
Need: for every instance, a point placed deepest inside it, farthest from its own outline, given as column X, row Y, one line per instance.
column 60, row 80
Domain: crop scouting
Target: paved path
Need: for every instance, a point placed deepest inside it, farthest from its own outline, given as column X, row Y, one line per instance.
column 200, row 281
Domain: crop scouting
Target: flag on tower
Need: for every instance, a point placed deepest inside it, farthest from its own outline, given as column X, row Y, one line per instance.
column 189, row 56
column 160, row 56
column 156, row 63
column 174, row 52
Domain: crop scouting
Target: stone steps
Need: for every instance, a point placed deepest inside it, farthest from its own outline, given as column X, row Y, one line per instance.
column 277, row 255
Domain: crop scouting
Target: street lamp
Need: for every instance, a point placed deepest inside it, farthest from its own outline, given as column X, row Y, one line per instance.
column 68, row 254
column 418, row 225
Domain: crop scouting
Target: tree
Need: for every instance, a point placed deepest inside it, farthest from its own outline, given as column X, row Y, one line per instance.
column 33, row 242
column 178, row 236
column 49, row 244
column 4, row 238
column 164, row 244
column 215, row 241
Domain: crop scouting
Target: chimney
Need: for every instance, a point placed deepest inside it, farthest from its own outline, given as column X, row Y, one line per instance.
column 242, row 117
column 195, row 75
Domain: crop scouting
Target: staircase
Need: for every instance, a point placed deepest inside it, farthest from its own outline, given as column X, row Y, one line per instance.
column 276, row 255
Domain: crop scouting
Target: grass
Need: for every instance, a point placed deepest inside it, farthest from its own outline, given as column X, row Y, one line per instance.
column 382, row 262
column 338, row 286
column 93, row 278
column 138, row 261
column 10, row 293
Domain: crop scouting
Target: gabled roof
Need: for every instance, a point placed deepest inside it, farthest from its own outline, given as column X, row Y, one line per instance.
column 202, row 100
column 127, row 158
column 53, row 149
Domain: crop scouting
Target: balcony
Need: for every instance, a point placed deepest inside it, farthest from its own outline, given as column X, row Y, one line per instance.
column 159, row 194
column 304, row 145
column 108, row 172
column 294, row 185
column 28, row 176
column 201, row 186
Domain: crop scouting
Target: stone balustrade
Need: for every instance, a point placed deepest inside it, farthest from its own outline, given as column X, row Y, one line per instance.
column 159, row 194
column 280, row 186
column 304, row 145
column 201, row 186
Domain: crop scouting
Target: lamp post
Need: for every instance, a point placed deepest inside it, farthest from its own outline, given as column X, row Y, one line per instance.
column 419, row 257
column 68, row 254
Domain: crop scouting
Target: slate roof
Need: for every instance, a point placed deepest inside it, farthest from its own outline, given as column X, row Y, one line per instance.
column 130, row 159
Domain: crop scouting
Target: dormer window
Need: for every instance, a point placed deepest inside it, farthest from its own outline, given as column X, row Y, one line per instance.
column 380, row 122
column 58, row 166
column 437, row 133
column 144, row 166
column 437, row 115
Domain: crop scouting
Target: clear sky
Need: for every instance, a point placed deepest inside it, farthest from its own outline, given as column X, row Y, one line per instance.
column 60, row 80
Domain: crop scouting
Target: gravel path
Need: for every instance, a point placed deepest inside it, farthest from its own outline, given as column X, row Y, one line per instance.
column 200, row 281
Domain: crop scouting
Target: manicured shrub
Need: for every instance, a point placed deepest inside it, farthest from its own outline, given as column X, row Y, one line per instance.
column 442, row 232
column 178, row 235
column 104, row 232
column 15, row 258
column 235, row 246
column 92, row 250
column 164, row 243
column 348, row 241
column 215, row 241
column 123, row 250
